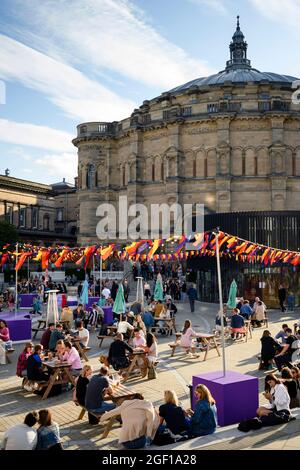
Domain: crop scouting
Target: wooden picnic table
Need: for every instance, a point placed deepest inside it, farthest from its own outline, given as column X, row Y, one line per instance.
column 167, row 321
column 41, row 327
column 60, row 373
column 119, row 394
column 208, row 340
column 82, row 351
column 137, row 353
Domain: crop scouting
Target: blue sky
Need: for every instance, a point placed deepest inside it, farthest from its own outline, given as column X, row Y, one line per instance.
column 64, row 62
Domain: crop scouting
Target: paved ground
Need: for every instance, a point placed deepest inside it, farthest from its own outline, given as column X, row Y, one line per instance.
column 174, row 373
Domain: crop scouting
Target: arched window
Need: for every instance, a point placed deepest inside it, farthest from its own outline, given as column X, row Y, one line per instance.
column 153, row 172
column 205, row 168
column 162, row 171
column 123, row 170
column 46, row 222
column 243, row 165
column 294, row 169
column 255, row 166
column 90, row 176
column 194, row 168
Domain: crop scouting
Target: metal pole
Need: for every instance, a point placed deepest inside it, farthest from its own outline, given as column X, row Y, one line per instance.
column 94, row 278
column 100, row 273
column 221, row 300
column 28, row 274
column 16, row 296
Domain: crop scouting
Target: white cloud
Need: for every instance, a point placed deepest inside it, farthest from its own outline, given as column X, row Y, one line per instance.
column 217, row 5
column 65, row 86
column 112, row 35
column 286, row 12
column 59, row 165
column 35, row 136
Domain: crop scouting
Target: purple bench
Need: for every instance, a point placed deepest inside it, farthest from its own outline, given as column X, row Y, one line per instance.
column 19, row 326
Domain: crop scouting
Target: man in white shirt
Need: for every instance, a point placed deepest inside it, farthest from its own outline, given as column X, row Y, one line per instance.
column 22, row 436
column 106, row 292
column 83, row 333
column 124, row 327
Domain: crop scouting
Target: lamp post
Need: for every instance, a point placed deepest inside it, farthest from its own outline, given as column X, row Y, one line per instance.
column 217, row 233
column 16, row 296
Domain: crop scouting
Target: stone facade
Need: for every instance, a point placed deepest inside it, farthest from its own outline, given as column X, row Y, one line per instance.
column 233, row 146
column 34, row 209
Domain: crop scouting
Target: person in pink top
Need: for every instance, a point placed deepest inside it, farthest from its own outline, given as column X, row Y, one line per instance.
column 71, row 355
column 188, row 336
column 138, row 340
column 4, row 335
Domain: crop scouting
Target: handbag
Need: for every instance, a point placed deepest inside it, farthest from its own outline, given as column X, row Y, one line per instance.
column 152, row 374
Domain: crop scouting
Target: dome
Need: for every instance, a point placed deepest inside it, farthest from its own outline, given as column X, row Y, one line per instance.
column 238, row 69
column 237, row 76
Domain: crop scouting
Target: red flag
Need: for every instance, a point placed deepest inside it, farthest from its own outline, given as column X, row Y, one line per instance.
column 22, row 258
column 4, row 259
column 61, row 258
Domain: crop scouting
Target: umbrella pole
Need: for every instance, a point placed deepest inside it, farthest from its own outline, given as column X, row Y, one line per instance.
column 221, row 300
column 16, row 296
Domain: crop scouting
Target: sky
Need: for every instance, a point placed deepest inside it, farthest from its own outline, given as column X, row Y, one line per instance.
column 65, row 62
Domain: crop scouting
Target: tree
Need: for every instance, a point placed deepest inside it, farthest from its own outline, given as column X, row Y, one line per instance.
column 8, row 233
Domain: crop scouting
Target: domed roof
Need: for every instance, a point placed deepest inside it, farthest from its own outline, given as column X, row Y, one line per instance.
column 238, row 69
column 237, row 76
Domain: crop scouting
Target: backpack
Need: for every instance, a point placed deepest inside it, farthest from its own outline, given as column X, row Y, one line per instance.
column 250, row 424
column 152, row 374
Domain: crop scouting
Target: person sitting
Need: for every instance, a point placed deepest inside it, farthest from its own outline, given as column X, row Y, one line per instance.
column 82, row 333
column 117, row 353
column 67, row 316
column 164, row 325
column 148, row 320
column 81, row 384
column 187, row 340
column 71, row 355
column 34, row 365
column 204, row 418
column 48, row 437
column 219, row 324
column 291, row 385
column 240, row 303
column 22, row 360
column 56, row 334
column 259, row 314
column 46, row 336
column 93, row 316
column 172, row 307
column 277, row 411
column 96, row 389
column 139, row 421
column 173, row 415
column 124, row 327
column 237, row 324
column 139, row 339
column 269, row 349
column 245, row 310
column 282, row 335
column 138, row 323
column 151, row 349
column 158, row 309
column 78, row 313
column 136, row 307
column 22, row 436
column 4, row 335
column 284, row 358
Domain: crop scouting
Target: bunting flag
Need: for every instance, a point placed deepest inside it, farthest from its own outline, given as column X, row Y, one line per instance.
column 155, row 246
column 61, row 258
column 180, row 245
column 4, row 259
column 45, row 259
column 106, row 252
column 21, row 260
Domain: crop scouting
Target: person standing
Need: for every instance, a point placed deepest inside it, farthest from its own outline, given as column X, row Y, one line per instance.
column 282, row 296
column 192, row 295
column 126, row 290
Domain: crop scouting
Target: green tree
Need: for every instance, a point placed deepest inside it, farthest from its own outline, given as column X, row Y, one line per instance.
column 8, row 233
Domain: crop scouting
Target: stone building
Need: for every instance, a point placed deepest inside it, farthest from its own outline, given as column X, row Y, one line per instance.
column 41, row 213
column 230, row 141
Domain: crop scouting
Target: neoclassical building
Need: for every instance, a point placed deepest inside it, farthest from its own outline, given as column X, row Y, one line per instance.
column 230, row 141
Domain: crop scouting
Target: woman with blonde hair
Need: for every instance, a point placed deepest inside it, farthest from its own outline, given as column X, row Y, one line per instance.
column 173, row 415
column 204, row 418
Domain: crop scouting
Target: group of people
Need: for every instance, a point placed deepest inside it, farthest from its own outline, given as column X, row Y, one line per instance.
column 279, row 349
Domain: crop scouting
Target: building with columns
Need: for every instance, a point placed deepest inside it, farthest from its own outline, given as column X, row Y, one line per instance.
column 230, row 141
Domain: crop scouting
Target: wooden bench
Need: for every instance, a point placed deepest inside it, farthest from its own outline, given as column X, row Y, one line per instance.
column 208, row 341
column 7, row 353
column 108, row 426
column 41, row 327
column 103, row 337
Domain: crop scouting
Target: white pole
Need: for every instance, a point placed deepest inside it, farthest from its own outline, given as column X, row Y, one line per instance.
column 94, row 277
column 16, row 296
column 100, row 273
column 221, row 300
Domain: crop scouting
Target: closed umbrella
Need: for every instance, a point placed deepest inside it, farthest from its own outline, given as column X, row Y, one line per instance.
column 84, row 297
column 158, row 291
column 119, row 304
column 231, row 302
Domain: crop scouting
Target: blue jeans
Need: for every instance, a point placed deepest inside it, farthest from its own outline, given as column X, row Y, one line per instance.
column 138, row 443
column 104, row 407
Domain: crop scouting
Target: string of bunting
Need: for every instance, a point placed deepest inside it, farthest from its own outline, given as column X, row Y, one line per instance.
column 203, row 244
